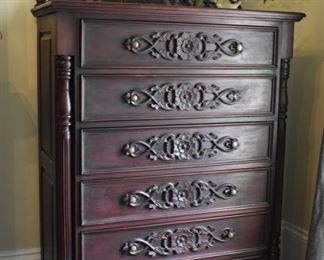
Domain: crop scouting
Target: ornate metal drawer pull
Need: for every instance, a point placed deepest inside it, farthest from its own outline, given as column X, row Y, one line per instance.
column 180, row 195
column 182, row 146
column 183, row 96
column 184, row 46
column 179, row 241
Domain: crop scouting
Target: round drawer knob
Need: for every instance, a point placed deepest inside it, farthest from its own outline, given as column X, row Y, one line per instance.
column 133, row 200
column 130, row 150
column 228, row 234
column 235, row 144
column 231, row 235
column 133, row 249
column 233, row 191
column 230, row 191
column 135, row 44
column 134, row 98
column 239, row 47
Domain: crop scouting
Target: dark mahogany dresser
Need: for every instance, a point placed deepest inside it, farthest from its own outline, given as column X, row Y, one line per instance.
column 162, row 130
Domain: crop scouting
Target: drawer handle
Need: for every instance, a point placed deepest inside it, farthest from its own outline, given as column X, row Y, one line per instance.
column 184, row 46
column 180, row 195
column 135, row 44
column 182, row 146
column 234, row 144
column 183, row 97
column 179, row 241
column 238, row 47
column 228, row 234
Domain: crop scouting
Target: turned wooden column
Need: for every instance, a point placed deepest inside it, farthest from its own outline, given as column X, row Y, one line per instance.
column 63, row 70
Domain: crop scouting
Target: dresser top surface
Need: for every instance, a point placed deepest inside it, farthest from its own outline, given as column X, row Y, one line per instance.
column 102, row 7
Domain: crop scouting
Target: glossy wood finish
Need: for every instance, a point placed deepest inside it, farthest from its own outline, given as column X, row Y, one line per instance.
column 111, row 201
column 216, row 162
column 46, row 93
column 104, row 98
column 111, row 37
column 249, row 235
column 63, row 72
column 104, row 151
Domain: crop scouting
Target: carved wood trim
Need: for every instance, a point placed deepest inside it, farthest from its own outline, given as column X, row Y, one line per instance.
column 183, row 96
column 182, row 146
column 63, row 73
column 280, row 157
column 184, row 46
column 178, row 241
column 180, row 195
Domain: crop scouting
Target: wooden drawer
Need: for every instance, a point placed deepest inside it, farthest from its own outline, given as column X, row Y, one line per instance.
column 108, row 43
column 148, row 148
column 181, row 241
column 141, row 98
column 122, row 201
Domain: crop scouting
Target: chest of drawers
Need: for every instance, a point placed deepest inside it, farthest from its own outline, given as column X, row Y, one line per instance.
column 162, row 130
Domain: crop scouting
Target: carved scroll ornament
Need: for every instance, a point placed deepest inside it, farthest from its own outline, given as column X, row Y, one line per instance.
column 179, row 241
column 183, row 96
column 184, row 46
column 180, row 195
column 182, row 146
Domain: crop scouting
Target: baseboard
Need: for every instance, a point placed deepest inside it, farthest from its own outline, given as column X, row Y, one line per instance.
column 293, row 242
column 24, row 254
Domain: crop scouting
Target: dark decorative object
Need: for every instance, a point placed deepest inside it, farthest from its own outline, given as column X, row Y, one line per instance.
column 180, row 195
column 182, row 146
column 184, row 46
column 184, row 97
column 179, row 241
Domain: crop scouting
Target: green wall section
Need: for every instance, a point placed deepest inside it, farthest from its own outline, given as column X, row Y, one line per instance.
column 306, row 107
column 19, row 221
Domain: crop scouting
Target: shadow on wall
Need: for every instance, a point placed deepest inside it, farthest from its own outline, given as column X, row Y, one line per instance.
column 305, row 121
column 17, row 159
column 19, row 219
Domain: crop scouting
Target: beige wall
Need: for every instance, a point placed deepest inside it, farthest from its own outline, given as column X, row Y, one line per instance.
column 18, row 132
column 306, row 106
column 19, row 220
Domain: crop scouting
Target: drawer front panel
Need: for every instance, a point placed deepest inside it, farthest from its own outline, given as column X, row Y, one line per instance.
column 111, row 150
column 177, row 241
column 140, row 98
column 107, row 202
column 112, row 44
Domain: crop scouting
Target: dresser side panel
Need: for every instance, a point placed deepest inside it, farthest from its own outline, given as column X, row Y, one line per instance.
column 46, row 111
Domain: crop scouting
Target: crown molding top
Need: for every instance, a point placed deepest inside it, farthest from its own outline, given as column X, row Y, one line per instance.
column 44, row 7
